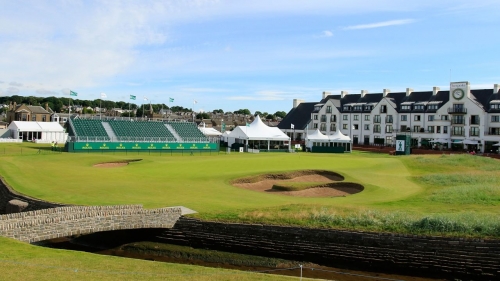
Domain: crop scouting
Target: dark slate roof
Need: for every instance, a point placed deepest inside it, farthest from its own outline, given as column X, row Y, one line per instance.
column 298, row 116
column 396, row 98
column 442, row 96
column 371, row 98
column 334, row 98
column 350, row 99
column 483, row 97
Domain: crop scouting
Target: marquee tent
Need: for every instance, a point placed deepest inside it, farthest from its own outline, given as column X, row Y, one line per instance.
column 43, row 132
column 259, row 135
column 317, row 138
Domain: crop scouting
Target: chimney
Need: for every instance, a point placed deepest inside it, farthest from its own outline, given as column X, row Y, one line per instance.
column 408, row 91
column 435, row 90
column 496, row 87
column 47, row 106
column 343, row 94
column 363, row 93
column 296, row 102
column 326, row 94
column 386, row 91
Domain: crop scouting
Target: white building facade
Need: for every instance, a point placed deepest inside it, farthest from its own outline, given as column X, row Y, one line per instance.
column 459, row 118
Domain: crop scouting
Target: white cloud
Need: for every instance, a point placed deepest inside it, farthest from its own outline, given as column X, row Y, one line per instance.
column 380, row 24
column 326, row 33
column 16, row 84
column 12, row 91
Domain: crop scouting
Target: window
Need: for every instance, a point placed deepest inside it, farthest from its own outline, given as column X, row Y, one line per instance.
column 33, row 117
column 404, row 117
column 367, row 126
column 388, row 119
column 445, row 129
column 315, row 125
column 474, row 131
column 438, row 129
column 430, row 129
column 495, row 118
column 344, row 117
column 404, row 128
column 388, row 140
column 333, row 128
column 458, row 119
column 418, row 107
column 358, row 108
column 367, row 117
column 430, row 118
column 406, row 107
column 495, row 106
column 44, row 118
column 416, row 129
column 376, row 119
column 356, row 117
column 368, row 107
column 474, row 120
column 388, row 128
column 333, row 118
column 315, row 116
column 355, row 127
column 383, row 109
column 328, row 109
column 323, row 118
column 376, row 128
column 347, row 108
column 432, row 107
column 444, row 117
column 417, row 118
column 457, row 131
column 344, row 126
column 322, row 127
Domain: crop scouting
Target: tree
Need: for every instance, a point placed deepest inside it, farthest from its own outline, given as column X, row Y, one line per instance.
column 257, row 113
column 202, row 116
column 280, row 114
column 270, row 117
column 218, row 111
column 243, row 111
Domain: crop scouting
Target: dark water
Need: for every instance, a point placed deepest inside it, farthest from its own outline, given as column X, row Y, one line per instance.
column 109, row 243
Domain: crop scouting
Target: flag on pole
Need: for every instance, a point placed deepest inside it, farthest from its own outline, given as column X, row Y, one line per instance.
column 74, row 94
column 132, row 97
column 195, row 102
column 171, row 99
column 145, row 98
column 103, row 95
column 292, row 126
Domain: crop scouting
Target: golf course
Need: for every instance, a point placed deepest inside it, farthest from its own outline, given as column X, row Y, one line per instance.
column 442, row 195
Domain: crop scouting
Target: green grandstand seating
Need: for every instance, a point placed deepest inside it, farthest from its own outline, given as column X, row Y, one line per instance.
column 89, row 128
column 188, row 131
column 130, row 130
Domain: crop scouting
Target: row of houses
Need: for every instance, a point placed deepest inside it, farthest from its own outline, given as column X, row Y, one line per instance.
column 459, row 117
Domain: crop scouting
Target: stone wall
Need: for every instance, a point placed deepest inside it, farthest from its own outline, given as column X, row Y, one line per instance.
column 420, row 255
column 52, row 223
column 7, row 194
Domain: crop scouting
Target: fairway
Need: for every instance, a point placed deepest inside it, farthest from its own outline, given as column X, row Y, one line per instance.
column 458, row 193
column 198, row 182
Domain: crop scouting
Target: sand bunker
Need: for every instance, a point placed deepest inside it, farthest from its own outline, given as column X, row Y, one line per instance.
column 326, row 184
column 116, row 163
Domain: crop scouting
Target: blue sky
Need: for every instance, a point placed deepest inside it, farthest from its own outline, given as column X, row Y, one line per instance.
column 233, row 54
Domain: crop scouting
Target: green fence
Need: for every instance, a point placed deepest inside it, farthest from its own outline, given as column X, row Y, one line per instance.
column 138, row 146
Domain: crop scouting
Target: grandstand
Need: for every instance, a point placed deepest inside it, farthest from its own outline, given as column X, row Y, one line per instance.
column 120, row 134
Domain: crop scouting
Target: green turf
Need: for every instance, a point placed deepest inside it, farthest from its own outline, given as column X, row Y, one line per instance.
column 437, row 195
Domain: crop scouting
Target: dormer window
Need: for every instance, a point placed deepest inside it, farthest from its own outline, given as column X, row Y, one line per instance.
column 347, row 108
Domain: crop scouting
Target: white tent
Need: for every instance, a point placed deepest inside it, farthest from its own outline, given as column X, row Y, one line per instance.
column 258, row 134
column 44, row 132
column 317, row 138
column 210, row 132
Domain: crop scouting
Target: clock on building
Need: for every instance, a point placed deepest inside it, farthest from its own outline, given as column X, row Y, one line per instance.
column 458, row 94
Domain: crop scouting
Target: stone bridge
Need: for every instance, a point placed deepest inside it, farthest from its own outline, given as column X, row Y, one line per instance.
column 39, row 225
